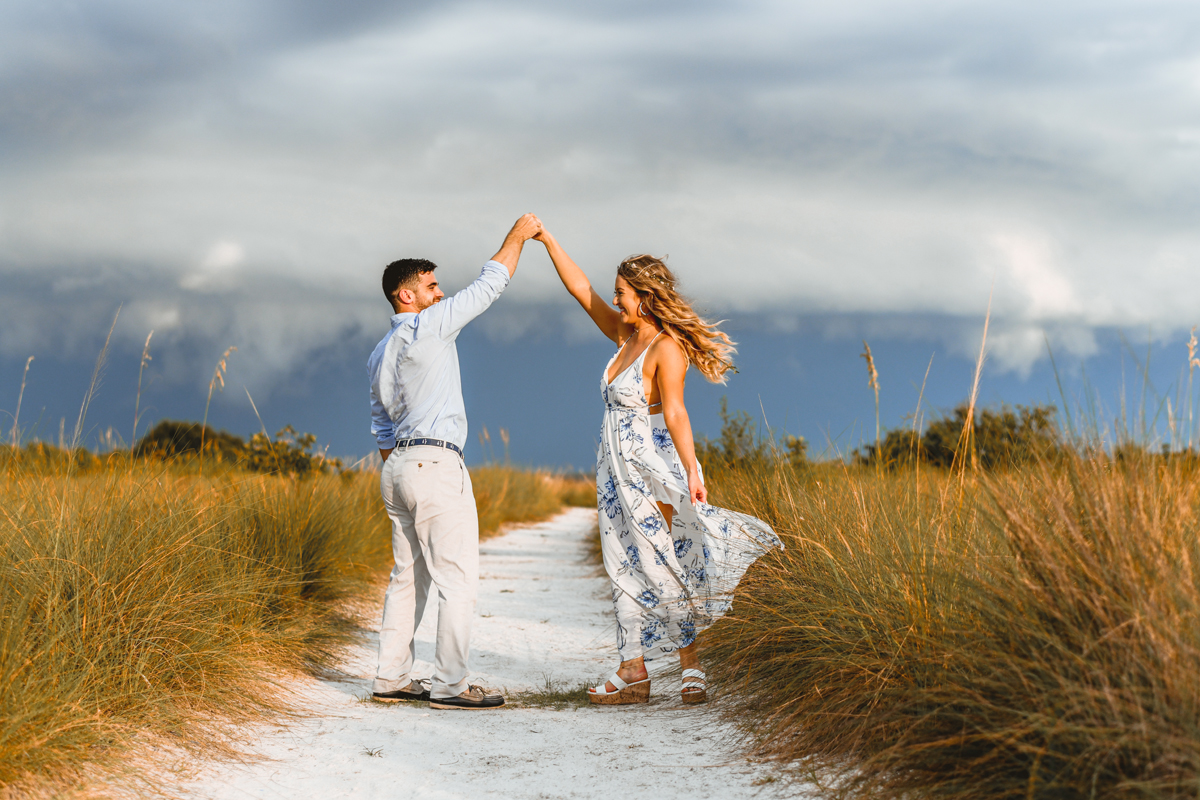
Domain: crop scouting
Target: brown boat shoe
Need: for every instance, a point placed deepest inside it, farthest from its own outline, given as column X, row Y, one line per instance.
column 474, row 698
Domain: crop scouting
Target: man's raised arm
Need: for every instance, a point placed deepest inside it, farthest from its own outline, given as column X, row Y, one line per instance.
column 455, row 312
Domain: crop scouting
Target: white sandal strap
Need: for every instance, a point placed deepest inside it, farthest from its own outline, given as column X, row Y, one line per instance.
column 616, row 681
column 694, row 673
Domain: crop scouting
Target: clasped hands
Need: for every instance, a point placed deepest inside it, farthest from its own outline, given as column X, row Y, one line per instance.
column 527, row 227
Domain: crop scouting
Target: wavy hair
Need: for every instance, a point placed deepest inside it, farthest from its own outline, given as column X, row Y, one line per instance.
column 706, row 347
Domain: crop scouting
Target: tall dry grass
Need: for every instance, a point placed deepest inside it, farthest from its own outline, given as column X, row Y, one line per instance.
column 143, row 602
column 142, row 599
column 505, row 495
column 1033, row 633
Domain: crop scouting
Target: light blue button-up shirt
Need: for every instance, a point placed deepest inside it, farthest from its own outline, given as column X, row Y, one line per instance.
column 416, row 388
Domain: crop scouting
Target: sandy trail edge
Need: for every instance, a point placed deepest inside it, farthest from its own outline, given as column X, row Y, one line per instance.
column 542, row 611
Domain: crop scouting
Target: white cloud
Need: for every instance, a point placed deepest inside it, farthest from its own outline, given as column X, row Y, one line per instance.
column 159, row 317
column 217, row 269
column 1030, row 266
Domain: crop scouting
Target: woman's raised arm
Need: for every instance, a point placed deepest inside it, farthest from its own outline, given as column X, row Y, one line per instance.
column 607, row 319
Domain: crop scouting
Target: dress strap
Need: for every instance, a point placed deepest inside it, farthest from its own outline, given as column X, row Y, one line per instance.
column 647, row 348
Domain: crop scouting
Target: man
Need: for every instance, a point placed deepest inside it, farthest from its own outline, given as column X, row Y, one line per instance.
column 420, row 424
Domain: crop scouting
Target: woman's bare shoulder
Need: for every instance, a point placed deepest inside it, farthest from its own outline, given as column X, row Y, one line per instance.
column 665, row 348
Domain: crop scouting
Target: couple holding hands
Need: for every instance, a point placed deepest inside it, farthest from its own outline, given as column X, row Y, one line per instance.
column 673, row 559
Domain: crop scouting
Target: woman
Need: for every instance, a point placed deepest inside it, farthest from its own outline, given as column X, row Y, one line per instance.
column 673, row 559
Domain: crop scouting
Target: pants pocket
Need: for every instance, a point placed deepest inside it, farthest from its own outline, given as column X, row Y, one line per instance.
column 416, row 476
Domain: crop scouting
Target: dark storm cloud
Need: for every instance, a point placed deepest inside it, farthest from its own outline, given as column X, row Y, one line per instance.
column 79, row 75
column 856, row 159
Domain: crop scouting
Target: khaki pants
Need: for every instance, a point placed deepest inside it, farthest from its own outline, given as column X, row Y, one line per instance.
column 435, row 541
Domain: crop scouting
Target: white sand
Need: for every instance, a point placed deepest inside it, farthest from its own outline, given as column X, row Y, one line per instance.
column 542, row 611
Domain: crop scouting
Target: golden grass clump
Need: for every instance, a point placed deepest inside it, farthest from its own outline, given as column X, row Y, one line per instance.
column 143, row 599
column 140, row 601
column 1032, row 633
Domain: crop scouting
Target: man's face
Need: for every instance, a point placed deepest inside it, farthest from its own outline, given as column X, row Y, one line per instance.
column 425, row 293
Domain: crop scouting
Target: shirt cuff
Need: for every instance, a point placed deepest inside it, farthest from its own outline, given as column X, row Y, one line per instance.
column 386, row 442
column 496, row 266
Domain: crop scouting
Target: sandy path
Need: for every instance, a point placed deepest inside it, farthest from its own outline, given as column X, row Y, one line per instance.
column 542, row 611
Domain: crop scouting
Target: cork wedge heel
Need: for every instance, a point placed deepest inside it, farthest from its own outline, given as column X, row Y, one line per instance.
column 625, row 693
column 695, row 686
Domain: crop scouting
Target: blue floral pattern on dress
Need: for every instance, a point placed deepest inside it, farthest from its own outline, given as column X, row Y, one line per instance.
column 627, row 431
column 661, row 438
column 650, row 634
column 608, row 500
column 697, row 562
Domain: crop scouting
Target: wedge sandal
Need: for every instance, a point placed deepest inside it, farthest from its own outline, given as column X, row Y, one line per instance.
column 695, row 686
column 625, row 693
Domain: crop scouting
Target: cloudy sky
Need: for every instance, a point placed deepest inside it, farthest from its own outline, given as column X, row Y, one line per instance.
column 237, row 173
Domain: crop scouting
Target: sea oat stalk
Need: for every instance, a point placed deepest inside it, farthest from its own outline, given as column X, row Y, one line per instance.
column 138, row 399
column 1193, row 362
column 873, row 382
column 218, row 380
column 966, row 441
column 16, row 431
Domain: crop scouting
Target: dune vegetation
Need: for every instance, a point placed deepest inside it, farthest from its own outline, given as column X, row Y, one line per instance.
column 160, row 599
column 991, row 609
column 982, row 607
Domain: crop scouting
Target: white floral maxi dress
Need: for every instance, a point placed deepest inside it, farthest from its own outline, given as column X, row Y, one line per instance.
column 667, row 586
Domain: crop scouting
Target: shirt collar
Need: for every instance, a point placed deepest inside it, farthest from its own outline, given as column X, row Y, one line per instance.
column 402, row 317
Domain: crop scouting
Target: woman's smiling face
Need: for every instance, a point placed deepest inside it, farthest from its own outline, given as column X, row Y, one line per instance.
column 626, row 300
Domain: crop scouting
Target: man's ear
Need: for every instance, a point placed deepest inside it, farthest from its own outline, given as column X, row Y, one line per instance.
column 405, row 296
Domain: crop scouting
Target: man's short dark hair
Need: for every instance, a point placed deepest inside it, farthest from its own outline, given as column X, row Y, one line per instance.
column 403, row 273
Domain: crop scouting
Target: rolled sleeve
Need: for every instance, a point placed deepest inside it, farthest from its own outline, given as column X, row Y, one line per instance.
column 381, row 425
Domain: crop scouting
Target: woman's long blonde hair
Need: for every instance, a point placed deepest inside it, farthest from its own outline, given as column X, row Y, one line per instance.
column 706, row 348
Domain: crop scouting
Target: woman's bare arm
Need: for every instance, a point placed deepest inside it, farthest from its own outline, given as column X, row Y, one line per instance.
column 670, row 368
column 607, row 319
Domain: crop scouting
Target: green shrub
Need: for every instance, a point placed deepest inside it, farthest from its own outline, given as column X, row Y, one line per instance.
column 741, row 445
column 1000, row 439
column 171, row 438
column 289, row 452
